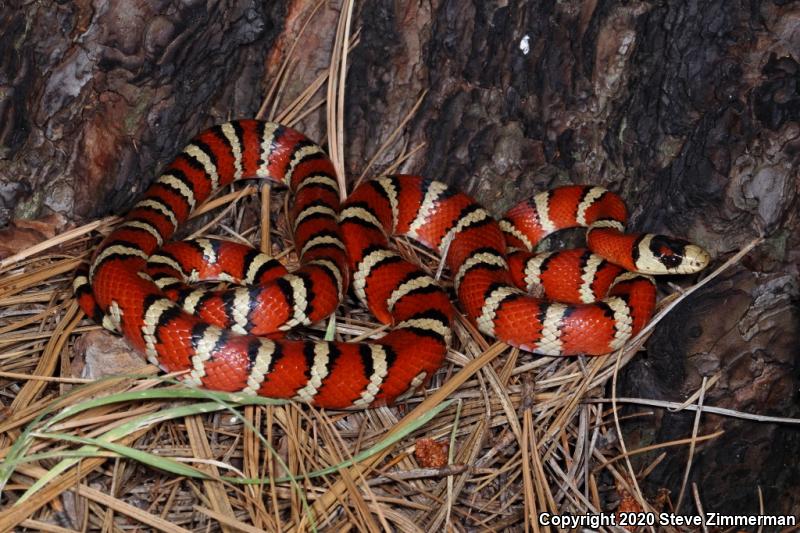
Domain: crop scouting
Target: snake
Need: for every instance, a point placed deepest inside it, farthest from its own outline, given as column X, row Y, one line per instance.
column 236, row 337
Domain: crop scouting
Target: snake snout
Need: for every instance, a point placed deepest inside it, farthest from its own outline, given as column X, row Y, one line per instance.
column 695, row 259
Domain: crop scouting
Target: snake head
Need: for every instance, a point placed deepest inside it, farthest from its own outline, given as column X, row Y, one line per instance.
column 659, row 254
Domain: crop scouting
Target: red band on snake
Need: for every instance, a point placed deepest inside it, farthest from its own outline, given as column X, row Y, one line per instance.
column 139, row 284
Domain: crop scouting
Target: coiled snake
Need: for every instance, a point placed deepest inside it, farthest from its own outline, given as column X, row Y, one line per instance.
column 140, row 285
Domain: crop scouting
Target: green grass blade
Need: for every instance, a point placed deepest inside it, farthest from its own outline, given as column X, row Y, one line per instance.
column 120, row 432
column 167, row 464
column 377, row 448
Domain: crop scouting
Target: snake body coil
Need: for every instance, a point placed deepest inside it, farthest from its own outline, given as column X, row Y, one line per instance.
column 140, row 285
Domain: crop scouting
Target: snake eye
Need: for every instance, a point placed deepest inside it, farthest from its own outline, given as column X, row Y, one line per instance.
column 668, row 251
column 670, row 260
